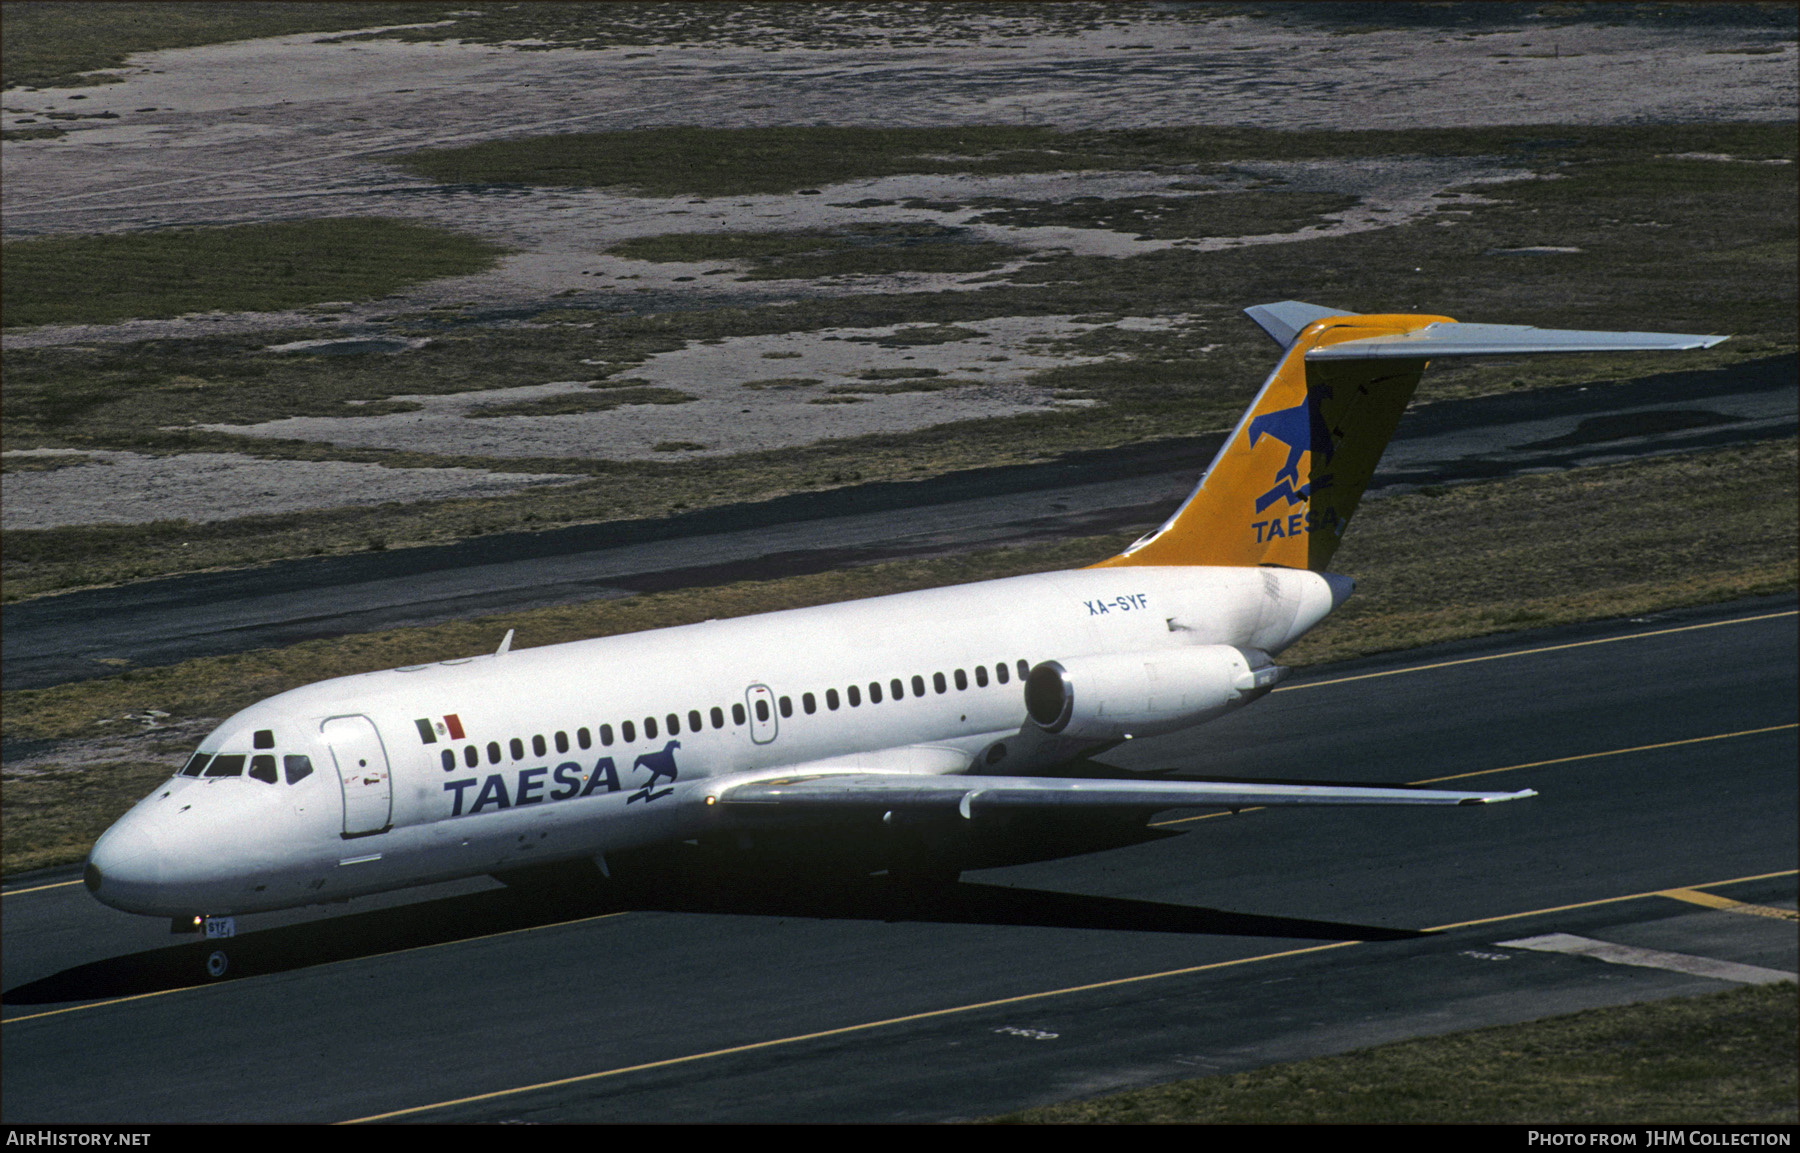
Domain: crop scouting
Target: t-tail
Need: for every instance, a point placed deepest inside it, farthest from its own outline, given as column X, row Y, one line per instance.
column 1287, row 481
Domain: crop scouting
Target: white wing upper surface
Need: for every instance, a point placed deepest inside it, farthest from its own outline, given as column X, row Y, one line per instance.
column 967, row 794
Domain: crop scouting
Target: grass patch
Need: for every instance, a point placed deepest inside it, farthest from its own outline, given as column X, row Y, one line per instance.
column 55, row 45
column 898, row 373
column 1253, row 213
column 747, row 161
column 575, row 402
column 1477, row 559
column 737, row 162
column 781, row 383
column 1725, row 1058
column 20, row 463
column 917, row 334
column 857, row 250
column 788, row 26
column 240, row 268
column 54, row 815
column 894, row 387
column 1657, row 253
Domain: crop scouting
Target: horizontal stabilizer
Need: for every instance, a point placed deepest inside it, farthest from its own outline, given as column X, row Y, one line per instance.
column 1454, row 339
column 1283, row 321
column 965, row 794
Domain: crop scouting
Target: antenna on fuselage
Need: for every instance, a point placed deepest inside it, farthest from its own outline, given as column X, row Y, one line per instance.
column 505, row 644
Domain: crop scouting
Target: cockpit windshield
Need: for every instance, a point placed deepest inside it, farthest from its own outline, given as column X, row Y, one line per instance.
column 296, row 766
column 226, row 765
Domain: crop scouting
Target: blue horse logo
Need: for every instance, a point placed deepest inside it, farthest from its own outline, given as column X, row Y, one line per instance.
column 661, row 764
column 1302, row 429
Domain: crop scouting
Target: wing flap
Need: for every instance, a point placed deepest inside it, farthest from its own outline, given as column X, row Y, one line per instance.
column 968, row 794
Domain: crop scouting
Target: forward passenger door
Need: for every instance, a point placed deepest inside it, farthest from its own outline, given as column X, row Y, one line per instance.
column 362, row 767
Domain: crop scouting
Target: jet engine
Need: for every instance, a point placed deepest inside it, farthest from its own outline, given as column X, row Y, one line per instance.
column 1123, row 695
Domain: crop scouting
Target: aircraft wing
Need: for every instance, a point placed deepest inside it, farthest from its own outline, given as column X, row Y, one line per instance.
column 968, row 794
column 1455, row 339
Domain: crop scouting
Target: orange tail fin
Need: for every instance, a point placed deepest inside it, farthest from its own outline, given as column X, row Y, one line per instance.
column 1286, row 482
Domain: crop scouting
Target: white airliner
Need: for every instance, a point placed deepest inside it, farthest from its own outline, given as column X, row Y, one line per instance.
column 920, row 707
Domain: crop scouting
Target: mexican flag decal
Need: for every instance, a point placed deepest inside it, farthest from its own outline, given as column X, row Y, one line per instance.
column 429, row 732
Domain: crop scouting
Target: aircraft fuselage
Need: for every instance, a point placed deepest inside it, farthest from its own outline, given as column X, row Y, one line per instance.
column 574, row 750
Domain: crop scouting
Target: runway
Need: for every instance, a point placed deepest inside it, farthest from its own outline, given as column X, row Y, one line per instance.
column 1662, row 750
column 55, row 639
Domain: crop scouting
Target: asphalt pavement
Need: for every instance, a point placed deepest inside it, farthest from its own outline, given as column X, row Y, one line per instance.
column 1657, row 860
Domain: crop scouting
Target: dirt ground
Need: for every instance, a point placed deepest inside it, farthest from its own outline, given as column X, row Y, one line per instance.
column 301, row 126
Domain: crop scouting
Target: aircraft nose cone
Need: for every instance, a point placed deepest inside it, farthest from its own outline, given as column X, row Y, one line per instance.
column 124, row 869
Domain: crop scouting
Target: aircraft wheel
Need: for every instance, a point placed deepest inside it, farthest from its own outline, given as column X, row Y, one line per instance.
column 216, row 964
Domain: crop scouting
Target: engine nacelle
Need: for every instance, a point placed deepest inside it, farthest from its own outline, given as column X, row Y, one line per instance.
column 1124, row 695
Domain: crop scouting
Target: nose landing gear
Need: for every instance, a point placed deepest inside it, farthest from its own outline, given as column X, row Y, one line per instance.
column 214, row 929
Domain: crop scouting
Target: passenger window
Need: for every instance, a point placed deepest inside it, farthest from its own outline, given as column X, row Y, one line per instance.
column 694, row 725
column 449, row 763
column 980, row 677
column 226, row 766
column 855, row 696
column 299, row 767
column 263, row 739
column 895, row 688
column 962, row 680
column 1000, row 672
column 875, row 692
column 628, row 731
column 493, row 752
column 762, row 710
column 810, row 703
column 674, row 725
column 787, row 707
column 582, row 738
column 1024, row 670
column 471, row 758
column 649, row 728
column 737, row 714
column 831, row 699
column 918, row 686
column 562, row 742
column 537, row 745
column 937, row 682
column 718, row 717
column 517, row 748
column 195, row 765
column 262, row 767
column 606, row 735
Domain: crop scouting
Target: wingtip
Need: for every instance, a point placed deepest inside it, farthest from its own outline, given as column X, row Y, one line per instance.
column 1499, row 798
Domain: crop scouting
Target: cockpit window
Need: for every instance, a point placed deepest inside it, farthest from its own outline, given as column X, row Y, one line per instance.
column 298, row 767
column 262, row 767
column 195, row 764
column 231, row 766
column 263, row 739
